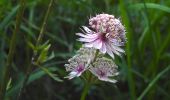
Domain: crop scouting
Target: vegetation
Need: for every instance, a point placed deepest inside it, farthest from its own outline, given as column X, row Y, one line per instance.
column 38, row 36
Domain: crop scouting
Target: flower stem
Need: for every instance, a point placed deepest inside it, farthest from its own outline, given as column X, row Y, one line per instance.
column 85, row 90
column 11, row 50
column 30, row 66
column 89, row 80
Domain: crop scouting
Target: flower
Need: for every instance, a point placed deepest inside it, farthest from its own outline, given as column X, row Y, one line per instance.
column 104, row 69
column 80, row 62
column 106, row 34
column 87, row 60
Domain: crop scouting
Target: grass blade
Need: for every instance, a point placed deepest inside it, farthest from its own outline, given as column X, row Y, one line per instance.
column 151, row 6
column 153, row 82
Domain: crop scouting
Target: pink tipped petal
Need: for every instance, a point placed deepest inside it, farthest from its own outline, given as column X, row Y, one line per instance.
column 97, row 44
column 89, row 45
column 118, row 48
column 109, row 51
column 87, row 29
column 87, row 35
column 92, row 35
column 82, row 35
column 116, row 52
column 103, row 49
column 116, row 42
column 86, row 39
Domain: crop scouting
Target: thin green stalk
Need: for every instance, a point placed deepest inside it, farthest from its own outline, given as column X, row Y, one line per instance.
column 44, row 23
column 30, row 66
column 88, row 82
column 151, row 84
column 6, row 71
column 153, row 68
column 85, row 90
column 128, row 49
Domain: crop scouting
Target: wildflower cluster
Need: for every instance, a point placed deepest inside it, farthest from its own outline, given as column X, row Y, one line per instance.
column 104, row 35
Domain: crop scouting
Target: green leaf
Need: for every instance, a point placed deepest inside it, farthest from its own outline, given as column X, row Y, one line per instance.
column 31, row 45
column 34, row 76
column 153, row 82
column 45, row 45
column 43, row 55
column 9, row 84
column 140, row 6
column 9, row 17
column 51, row 56
column 53, row 76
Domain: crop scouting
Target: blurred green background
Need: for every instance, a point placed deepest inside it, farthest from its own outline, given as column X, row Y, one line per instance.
column 143, row 69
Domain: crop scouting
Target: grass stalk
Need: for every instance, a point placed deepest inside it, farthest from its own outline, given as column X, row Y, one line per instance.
column 152, row 83
column 11, row 50
column 128, row 49
column 6, row 72
column 30, row 66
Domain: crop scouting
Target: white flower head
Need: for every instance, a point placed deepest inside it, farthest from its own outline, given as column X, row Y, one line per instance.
column 104, row 69
column 80, row 62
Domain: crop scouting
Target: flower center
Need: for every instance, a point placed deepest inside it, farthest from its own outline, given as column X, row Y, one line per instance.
column 101, row 73
column 80, row 68
column 103, row 37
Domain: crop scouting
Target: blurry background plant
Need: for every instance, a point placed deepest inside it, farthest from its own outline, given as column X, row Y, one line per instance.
column 144, row 70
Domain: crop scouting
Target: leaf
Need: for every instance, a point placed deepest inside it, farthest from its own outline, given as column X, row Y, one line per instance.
column 43, row 55
column 9, row 84
column 51, row 56
column 31, row 45
column 53, row 76
column 151, row 5
column 9, row 17
column 153, row 82
column 34, row 76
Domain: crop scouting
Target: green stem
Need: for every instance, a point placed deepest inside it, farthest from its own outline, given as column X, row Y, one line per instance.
column 44, row 23
column 85, row 91
column 89, row 80
column 151, row 84
column 29, row 69
column 11, row 50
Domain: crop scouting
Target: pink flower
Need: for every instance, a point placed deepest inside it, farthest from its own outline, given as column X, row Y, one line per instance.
column 77, row 71
column 104, row 69
column 106, row 34
column 80, row 62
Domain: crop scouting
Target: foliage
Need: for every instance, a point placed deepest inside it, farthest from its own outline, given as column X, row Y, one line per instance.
column 144, row 70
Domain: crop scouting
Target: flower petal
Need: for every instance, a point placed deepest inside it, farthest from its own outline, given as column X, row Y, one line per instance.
column 71, row 75
column 97, row 44
column 116, row 42
column 86, row 39
column 108, row 80
column 109, row 50
column 118, row 48
column 89, row 45
column 87, row 29
column 103, row 48
column 87, row 35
